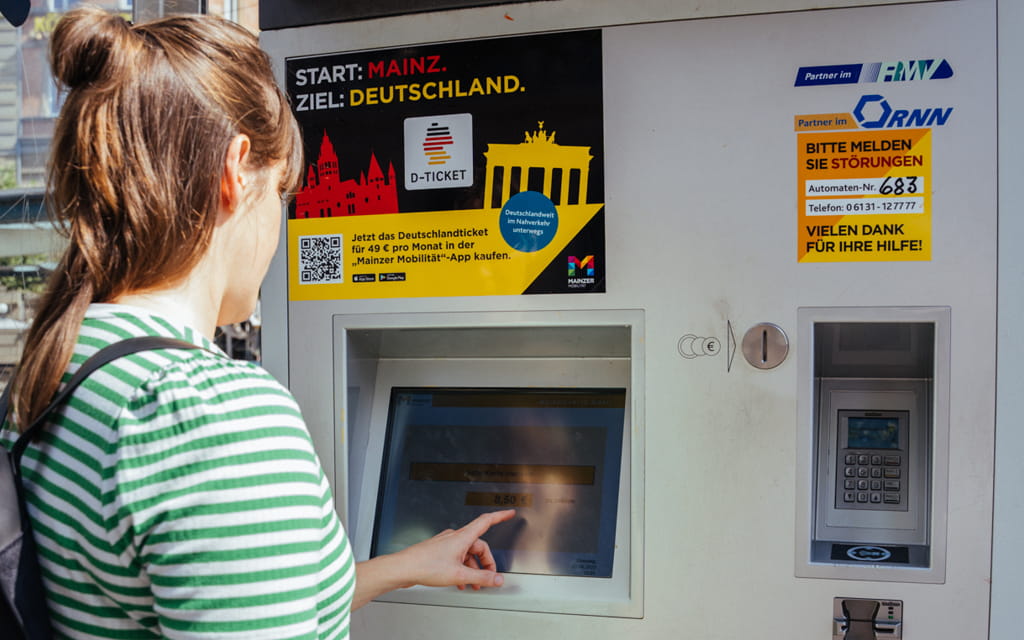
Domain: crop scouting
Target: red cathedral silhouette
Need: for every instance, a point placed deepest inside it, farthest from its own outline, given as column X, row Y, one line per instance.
column 326, row 195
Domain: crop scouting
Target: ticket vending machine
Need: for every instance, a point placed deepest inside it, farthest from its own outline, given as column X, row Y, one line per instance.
column 707, row 292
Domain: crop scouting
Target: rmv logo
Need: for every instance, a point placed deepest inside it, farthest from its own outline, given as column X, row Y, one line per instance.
column 874, row 112
column 906, row 70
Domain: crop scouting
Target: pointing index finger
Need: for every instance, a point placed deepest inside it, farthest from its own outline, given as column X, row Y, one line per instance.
column 482, row 523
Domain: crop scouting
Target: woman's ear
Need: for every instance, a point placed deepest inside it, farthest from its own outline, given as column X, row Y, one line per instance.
column 234, row 177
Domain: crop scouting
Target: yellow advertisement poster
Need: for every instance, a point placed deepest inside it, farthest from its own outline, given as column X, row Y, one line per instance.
column 864, row 195
column 461, row 169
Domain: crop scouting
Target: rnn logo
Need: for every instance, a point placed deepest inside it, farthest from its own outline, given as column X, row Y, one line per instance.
column 874, row 112
column 908, row 70
column 580, row 268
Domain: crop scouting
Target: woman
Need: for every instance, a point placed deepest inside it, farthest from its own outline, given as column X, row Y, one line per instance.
column 178, row 494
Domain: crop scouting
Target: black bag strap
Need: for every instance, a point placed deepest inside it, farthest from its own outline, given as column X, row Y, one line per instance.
column 103, row 356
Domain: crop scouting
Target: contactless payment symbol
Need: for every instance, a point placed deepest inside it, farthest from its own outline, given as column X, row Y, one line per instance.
column 439, row 152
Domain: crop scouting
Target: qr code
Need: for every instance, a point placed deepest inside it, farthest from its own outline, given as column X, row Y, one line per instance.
column 320, row 259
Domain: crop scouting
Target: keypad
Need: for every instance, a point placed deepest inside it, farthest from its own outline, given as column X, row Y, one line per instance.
column 870, row 479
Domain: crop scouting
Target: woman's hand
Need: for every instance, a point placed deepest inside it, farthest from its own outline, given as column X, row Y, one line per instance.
column 457, row 558
column 451, row 558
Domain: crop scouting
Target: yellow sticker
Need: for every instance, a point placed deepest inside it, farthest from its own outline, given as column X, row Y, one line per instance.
column 864, row 195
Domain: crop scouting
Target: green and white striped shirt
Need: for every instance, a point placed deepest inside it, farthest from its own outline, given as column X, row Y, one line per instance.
column 178, row 495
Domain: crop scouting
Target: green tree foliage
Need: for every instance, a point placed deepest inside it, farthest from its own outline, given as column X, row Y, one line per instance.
column 25, row 279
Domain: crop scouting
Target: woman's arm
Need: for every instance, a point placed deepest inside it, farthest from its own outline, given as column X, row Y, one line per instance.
column 451, row 558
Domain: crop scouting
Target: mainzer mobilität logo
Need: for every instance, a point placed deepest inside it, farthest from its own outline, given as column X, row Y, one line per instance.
column 581, row 272
column 875, row 112
column 891, row 71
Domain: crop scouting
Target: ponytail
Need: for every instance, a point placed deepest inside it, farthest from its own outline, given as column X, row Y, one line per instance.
column 133, row 179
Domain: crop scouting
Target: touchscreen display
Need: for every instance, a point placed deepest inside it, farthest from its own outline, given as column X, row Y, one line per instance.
column 552, row 454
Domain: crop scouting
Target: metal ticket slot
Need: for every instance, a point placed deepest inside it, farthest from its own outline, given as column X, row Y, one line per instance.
column 859, row 619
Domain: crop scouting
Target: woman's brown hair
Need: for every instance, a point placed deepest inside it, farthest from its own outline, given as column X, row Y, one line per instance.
column 136, row 160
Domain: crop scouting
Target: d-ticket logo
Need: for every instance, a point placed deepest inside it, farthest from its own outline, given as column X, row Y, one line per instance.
column 439, row 152
column 893, row 71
